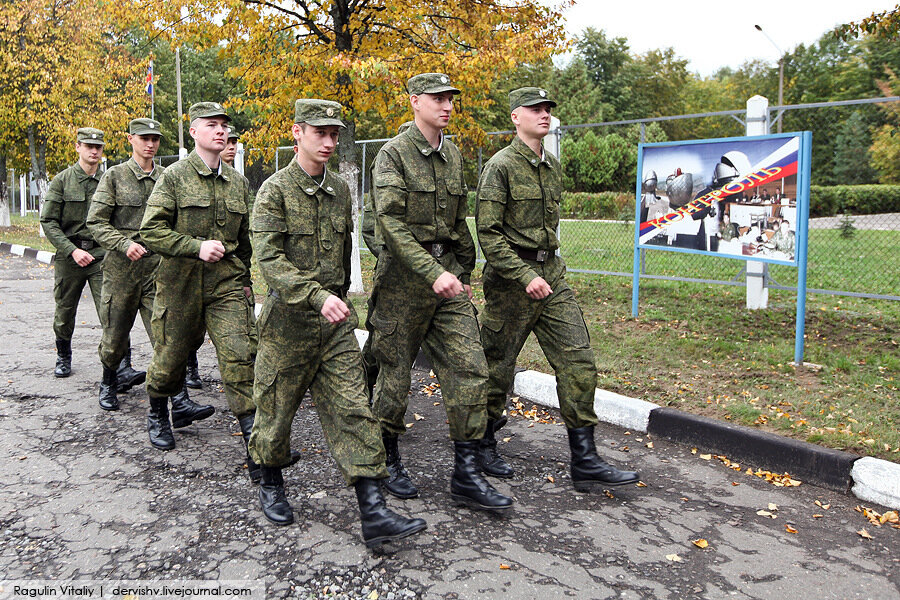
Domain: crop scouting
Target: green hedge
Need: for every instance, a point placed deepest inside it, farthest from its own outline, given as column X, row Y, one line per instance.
column 830, row 200
column 585, row 205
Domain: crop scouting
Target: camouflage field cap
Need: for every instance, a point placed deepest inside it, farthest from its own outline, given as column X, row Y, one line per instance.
column 429, row 83
column 232, row 133
column 90, row 135
column 144, row 127
column 205, row 110
column 529, row 96
column 317, row 112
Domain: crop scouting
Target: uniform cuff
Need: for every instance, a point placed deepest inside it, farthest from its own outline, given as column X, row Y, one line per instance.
column 529, row 276
column 124, row 245
column 319, row 298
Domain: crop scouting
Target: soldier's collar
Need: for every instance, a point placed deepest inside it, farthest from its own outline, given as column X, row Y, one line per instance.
column 526, row 151
column 203, row 169
column 307, row 183
column 140, row 173
column 423, row 145
column 79, row 172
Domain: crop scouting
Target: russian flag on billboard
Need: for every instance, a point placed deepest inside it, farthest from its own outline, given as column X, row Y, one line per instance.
column 150, row 79
column 779, row 164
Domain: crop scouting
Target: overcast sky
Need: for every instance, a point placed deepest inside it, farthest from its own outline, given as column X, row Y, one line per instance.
column 712, row 34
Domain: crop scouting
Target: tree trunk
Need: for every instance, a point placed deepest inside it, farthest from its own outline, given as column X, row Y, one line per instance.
column 349, row 170
column 4, row 194
column 37, row 149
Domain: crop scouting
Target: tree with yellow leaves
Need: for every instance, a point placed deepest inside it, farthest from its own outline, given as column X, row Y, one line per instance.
column 62, row 66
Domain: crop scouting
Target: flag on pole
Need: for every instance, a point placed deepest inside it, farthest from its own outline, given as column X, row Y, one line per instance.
column 150, row 79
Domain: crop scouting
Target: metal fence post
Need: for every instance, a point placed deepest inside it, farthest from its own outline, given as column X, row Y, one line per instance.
column 757, row 291
column 362, row 174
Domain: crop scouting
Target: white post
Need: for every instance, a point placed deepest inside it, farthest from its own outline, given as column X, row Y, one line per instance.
column 23, row 194
column 239, row 158
column 551, row 145
column 757, row 292
column 182, row 153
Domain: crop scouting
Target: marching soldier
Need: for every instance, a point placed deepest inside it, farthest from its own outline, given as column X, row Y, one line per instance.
column 525, row 290
column 230, row 150
column 196, row 220
column 129, row 269
column 423, row 292
column 78, row 256
column 302, row 231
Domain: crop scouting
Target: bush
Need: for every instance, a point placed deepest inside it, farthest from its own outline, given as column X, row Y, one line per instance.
column 829, row 200
column 584, row 205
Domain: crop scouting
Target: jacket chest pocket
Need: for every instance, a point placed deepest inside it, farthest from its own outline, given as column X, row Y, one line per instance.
column 420, row 201
column 129, row 209
column 527, row 206
column 235, row 213
column 300, row 238
column 194, row 215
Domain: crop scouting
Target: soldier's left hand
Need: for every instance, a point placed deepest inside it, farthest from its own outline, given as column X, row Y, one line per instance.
column 335, row 310
column 468, row 289
column 248, row 291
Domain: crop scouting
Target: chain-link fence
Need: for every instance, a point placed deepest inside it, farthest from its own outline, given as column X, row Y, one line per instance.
column 852, row 245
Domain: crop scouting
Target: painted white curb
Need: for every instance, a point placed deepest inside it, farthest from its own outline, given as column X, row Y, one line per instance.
column 45, row 257
column 876, row 480
column 616, row 409
column 17, row 249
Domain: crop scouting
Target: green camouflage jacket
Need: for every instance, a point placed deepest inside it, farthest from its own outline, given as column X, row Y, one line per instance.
column 118, row 206
column 420, row 198
column 518, row 205
column 66, row 206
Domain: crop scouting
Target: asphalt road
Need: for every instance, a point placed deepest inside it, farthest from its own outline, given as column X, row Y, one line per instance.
column 84, row 496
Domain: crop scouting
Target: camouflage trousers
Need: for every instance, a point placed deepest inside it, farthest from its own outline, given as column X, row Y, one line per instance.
column 68, row 283
column 300, row 350
column 193, row 297
column 557, row 322
column 128, row 288
column 409, row 315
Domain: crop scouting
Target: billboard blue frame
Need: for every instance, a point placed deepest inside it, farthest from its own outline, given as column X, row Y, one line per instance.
column 738, row 166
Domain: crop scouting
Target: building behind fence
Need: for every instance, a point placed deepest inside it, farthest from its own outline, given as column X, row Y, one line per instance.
column 848, row 254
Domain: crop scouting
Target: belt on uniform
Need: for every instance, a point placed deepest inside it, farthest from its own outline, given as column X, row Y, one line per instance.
column 84, row 244
column 536, row 255
column 436, row 249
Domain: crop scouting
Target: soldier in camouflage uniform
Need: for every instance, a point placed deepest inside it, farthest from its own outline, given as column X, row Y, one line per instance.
column 197, row 220
column 129, row 269
column 423, row 293
column 78, row 256
column 303, row 234
column 525, row 290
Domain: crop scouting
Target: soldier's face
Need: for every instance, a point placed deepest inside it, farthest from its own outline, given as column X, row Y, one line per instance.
column 230, row 150
column 144, row 146
column 315, row 143
column 533, row 121
column 210, row 133
column 89, row 153
column 433, row 109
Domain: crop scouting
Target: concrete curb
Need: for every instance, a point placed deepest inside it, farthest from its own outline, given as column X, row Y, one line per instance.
column 872, row 479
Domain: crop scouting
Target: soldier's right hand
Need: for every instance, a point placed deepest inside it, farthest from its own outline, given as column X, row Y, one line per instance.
column 538, row 289
column 212, row 251
column 81, row 257
column 335, row 310
column 135, row 251
column 447, row 285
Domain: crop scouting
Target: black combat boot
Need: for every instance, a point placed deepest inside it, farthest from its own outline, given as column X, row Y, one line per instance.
column 398, row 482
column 271, row 496
column 490, row 461
column 253, row 469
column 128, row 377
column 158, row 427
column 379, row 523
column 185, row 411
column 192, row 375
column 588, row 470
column 108, row 398
column 468, row 486
column 63, row 358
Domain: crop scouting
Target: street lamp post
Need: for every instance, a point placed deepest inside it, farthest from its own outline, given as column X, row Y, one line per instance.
column 780, row 72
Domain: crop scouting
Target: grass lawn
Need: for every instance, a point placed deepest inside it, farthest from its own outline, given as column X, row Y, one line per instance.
column 695, row 347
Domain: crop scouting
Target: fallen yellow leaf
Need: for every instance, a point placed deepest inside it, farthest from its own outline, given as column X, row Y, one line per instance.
column 550, row 479
column 818, row 516
column 789, row 528
column 765, row 513
column 673, row 558
column 864, row 534
column 641, row 484
column 693, row 451
column 706, row 456
column 608, row 494
column 418, row 417
column 506, row 440
column 504, row 567
column 373, row 595
column 735, row 483
column 408, row 425
column 701, row 543
column 649, row 444
column 772, row 506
